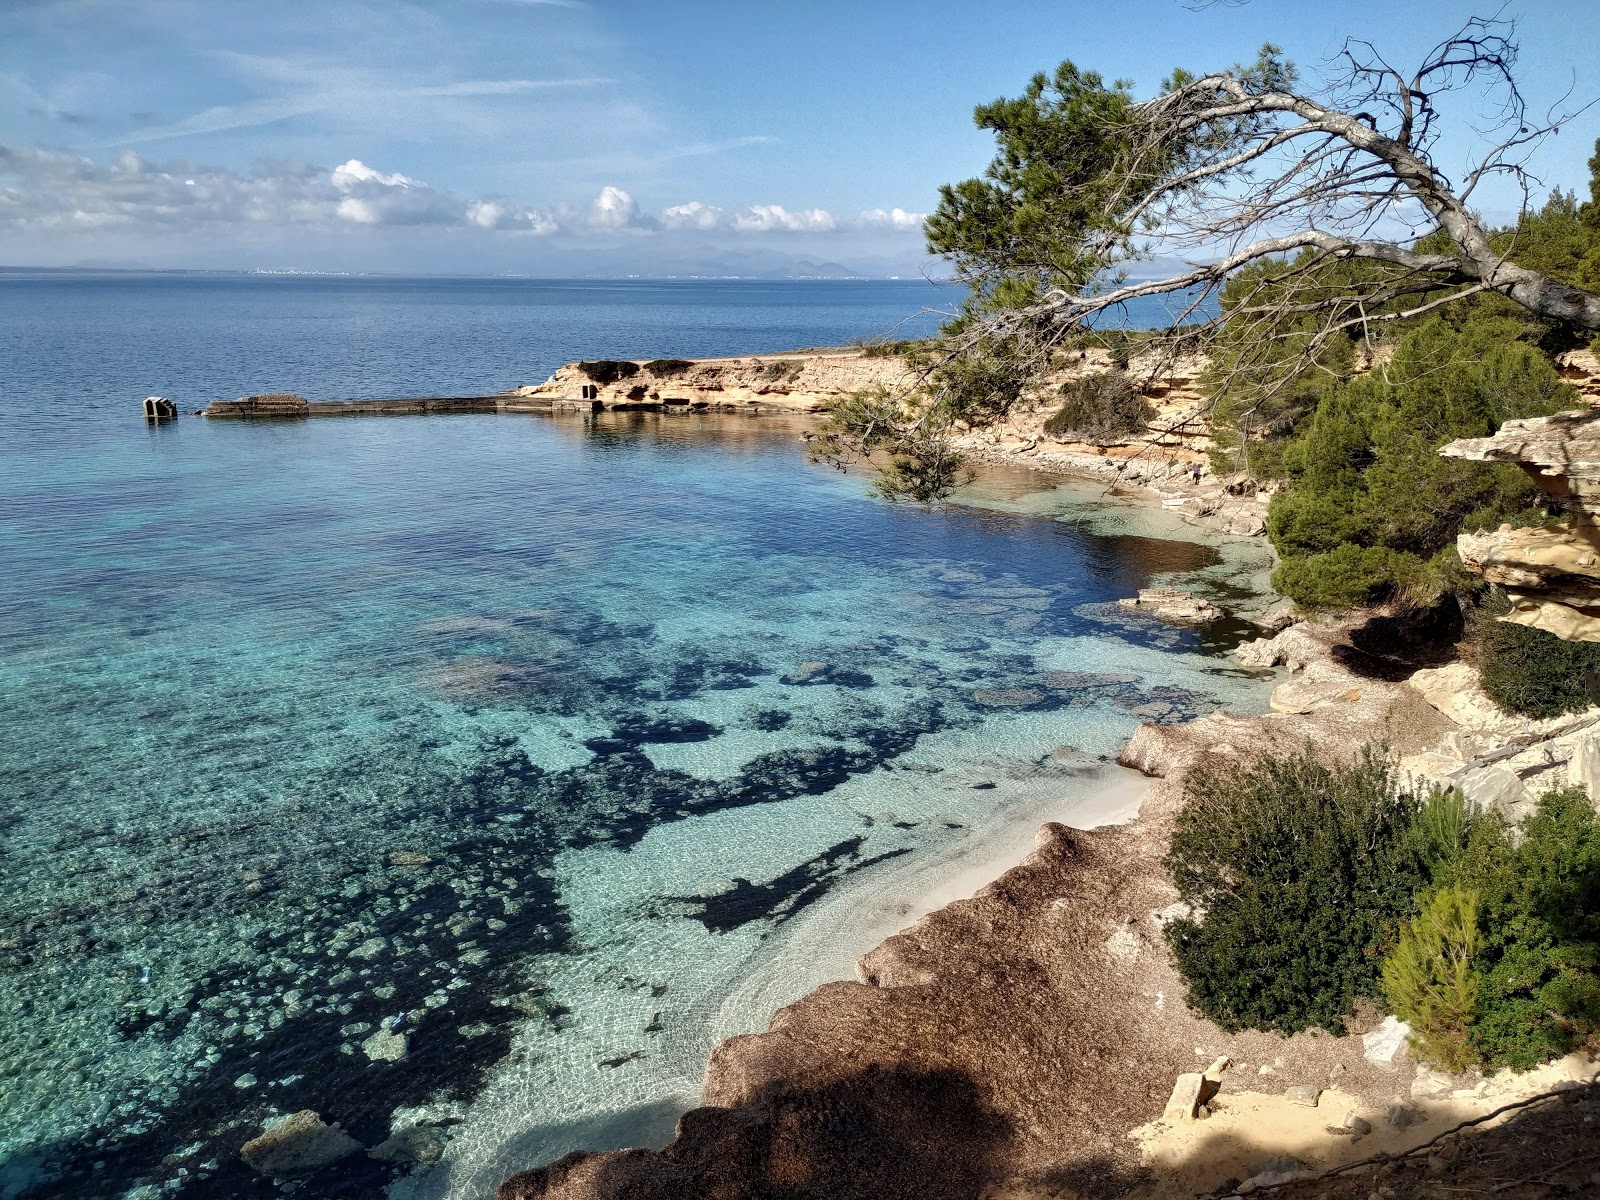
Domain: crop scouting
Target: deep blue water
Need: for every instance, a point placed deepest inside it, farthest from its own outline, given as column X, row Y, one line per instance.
column 516, row 736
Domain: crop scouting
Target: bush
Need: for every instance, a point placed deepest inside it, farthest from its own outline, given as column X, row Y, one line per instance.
column 783, row 370
column 1538, row 961
column 1529, row 671
column 1100, row 408
column 609, row 370
column 1345, row 577
column 1366, row 473
column 663, row 368
column 1299, row 875
column 1430, row 978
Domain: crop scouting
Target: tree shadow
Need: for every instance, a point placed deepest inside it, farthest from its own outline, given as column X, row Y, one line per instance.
column 1395, row 647
column 880, row 1134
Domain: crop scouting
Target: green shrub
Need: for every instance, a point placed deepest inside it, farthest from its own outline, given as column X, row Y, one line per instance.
column 1430, row 978
column 784, row 370
column 1300, row 874
column 609, row 370
column 1538, row 891
column 1529, row 671
column 1100, row 408
column 663, row 368
column 1345, row 577
column 1366, row 476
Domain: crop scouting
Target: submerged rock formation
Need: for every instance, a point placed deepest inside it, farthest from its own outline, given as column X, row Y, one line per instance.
column 1552, row 575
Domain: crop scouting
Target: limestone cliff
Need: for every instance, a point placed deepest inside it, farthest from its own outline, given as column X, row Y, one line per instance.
column 1553, row 574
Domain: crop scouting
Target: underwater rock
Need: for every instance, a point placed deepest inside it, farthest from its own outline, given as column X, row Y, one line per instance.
column 298, row 1145
column 386, row 1046
column 418, row 1144
column 1008, row 697
column 814, row 671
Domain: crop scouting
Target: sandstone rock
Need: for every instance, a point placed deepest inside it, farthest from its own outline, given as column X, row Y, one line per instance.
column 1357, row 1124
column 1294, row 648
column 1188, row 1096
column 1404, row 1116
column 1493, row 788
column 1276, row 619
column 1306, row 1094
column 1553, row 574
column 1431, row 1085
column 1583, row 768
column 1454, row 690
column 1258, row 652
column 1170, row 604
column 1277, row 1165
column 1323, row 684
column 418, row 1144
column 1125, row 945
column 298, row 1145
column 1386, row 1045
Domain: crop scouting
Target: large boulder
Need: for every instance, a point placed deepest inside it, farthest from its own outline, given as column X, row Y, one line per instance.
column 301, row 1144
column 1170, row 604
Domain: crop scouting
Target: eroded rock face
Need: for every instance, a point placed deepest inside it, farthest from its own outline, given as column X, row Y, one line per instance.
column 1552, row 575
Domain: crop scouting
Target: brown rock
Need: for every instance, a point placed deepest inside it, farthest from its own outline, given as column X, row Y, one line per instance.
column 298, row 1145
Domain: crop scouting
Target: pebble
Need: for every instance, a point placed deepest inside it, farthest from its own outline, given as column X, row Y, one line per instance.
column 245, row 1081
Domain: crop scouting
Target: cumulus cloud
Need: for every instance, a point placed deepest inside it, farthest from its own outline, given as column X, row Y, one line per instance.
column 768, row 218
column 613, row 208
column 897, row 219
column 348, row 175
column 45, row 189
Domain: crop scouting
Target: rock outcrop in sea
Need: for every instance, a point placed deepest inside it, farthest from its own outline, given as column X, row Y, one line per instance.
column 802, row 381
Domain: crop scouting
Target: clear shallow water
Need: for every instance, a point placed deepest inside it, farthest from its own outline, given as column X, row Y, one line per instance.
column 537, row 741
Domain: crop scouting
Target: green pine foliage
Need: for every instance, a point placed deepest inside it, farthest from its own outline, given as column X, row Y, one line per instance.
column 1300, row 875
column 1374, row 510
column 1431, row 980
column 1538, row 956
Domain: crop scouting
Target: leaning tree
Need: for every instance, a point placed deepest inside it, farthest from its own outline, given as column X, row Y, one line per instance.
column 1324, row 211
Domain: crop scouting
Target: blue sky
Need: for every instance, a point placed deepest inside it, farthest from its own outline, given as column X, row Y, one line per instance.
column 603, row 136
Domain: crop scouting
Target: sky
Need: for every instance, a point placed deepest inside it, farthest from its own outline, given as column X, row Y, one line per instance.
column 604, row 137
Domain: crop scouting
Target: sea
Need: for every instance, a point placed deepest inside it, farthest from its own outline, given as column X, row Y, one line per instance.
column 462, row 779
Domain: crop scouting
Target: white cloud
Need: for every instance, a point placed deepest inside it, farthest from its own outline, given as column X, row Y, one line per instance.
column 693, row 215
column 491, row 214
column 893, row 218
column 53, row 190
column 767, row 218
column 347, row 175
column 613, row 208
column 362, row 212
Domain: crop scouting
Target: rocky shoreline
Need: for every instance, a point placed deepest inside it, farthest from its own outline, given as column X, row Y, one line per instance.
column 1022, row 1043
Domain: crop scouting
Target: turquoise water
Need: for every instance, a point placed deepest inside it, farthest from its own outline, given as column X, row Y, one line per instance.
column 527, row 739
